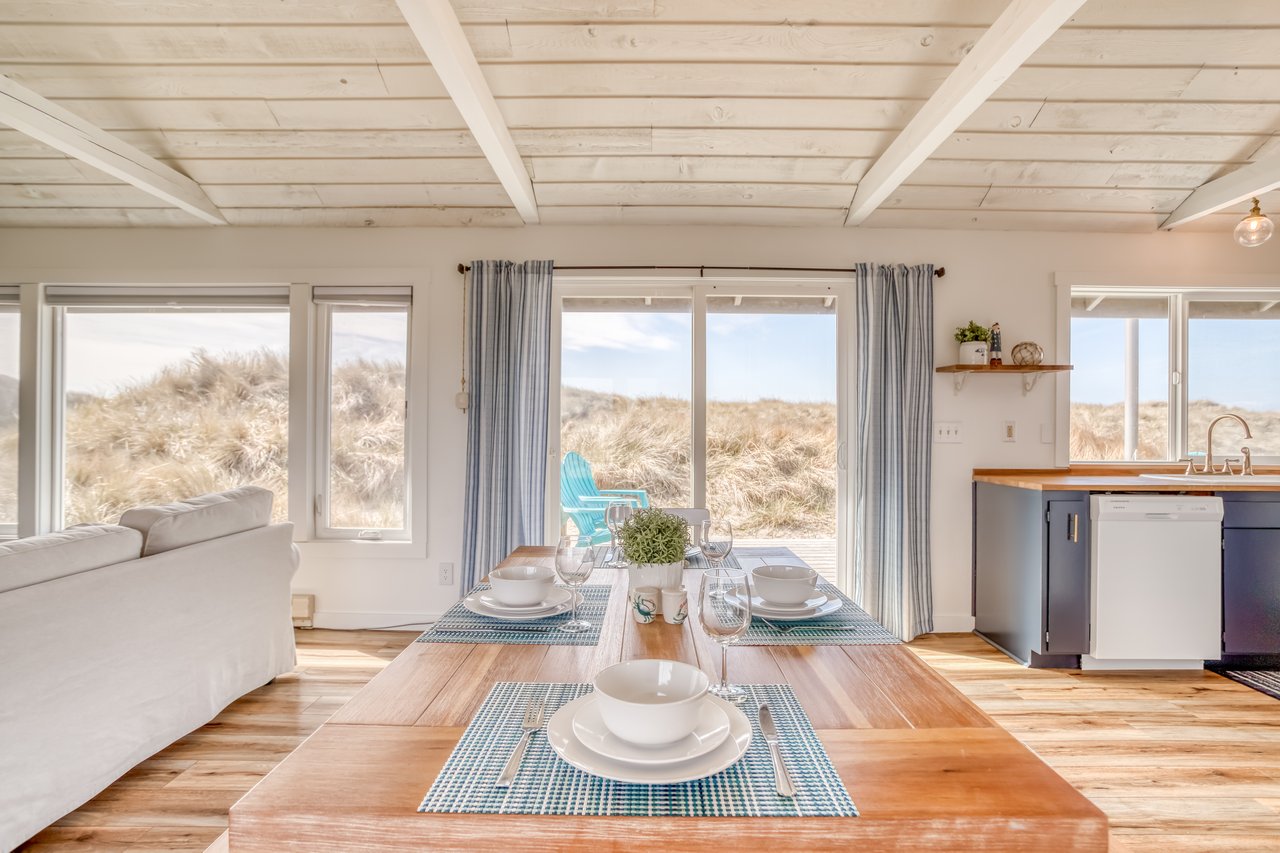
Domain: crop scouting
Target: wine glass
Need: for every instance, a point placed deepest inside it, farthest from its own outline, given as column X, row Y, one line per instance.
column 724, row 608
column 715, row 540
column 575, row 560
column 615, row 515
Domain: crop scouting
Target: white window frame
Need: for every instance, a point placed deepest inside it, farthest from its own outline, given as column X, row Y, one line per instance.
column 322, row 413
column 39, row 486
column 1180, row 296
column 10, row 304
column 698, row 289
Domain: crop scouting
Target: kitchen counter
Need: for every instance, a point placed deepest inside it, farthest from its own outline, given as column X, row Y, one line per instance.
column 1111, row 479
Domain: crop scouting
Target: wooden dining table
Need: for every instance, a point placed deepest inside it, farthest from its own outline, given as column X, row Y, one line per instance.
column 927, row 769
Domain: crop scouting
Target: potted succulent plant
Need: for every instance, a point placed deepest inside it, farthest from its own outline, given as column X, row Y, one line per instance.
column 653, row 544
column 973, row 340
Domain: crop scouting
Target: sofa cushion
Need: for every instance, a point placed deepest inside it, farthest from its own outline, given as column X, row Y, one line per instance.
column 183, row 523
column 24, row 562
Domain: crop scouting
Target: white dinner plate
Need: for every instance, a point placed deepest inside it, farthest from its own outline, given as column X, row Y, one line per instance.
column 816, row 600
column 831, row 605
column 566, row 744
column 711, row 731
column 558, row 596
column 475, row 605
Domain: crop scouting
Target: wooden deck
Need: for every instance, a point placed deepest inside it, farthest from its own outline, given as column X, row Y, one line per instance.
column 819, row 553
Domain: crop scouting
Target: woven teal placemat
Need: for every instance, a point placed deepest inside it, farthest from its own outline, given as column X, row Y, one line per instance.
column 848, row 626
column 460, row 625
column 548, row 785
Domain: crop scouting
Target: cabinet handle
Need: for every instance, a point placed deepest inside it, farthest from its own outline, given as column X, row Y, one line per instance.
column 1074, row 530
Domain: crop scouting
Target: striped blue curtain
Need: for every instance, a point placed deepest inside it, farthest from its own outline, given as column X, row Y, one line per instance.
column 508, row 360
column 892, row 574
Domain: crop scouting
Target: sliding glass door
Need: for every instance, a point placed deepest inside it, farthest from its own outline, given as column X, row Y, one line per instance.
column 718, row 395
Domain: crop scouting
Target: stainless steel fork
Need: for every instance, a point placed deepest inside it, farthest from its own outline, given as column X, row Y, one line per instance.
column 531, row 723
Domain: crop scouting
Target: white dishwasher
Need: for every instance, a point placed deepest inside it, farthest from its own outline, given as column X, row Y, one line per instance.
column 1156, row 590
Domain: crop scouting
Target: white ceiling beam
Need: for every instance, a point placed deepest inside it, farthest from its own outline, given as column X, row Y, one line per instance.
column 29, row 113
column 1243, row 184
column 436, row 26
column 1019, row 31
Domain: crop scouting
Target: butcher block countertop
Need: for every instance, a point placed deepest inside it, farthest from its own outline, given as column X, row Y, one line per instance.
column 1098, row 478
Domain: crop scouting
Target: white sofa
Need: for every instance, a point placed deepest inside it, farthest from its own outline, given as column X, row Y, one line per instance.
column 116, row 641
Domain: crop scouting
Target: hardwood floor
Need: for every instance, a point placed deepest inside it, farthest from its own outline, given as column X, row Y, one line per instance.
column 1181, row 763
column 178, row 800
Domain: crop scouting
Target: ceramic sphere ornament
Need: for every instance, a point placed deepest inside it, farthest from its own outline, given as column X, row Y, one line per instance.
column 1027, row 353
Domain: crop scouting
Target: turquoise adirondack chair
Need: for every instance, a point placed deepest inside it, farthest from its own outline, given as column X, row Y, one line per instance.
column 583, row 501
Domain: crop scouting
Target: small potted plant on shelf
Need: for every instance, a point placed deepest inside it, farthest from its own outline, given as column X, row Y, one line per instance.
column 973, row 340
column 653, row 544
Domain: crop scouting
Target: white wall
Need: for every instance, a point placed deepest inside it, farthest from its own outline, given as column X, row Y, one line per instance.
column 990, row 276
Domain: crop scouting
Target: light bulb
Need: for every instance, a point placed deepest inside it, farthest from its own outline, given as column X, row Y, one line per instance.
column 1255, row 229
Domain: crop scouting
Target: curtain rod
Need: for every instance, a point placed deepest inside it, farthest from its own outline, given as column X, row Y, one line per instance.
column 939, row 272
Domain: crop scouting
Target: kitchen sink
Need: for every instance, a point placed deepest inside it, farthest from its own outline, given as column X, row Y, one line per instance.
column 1217, row 479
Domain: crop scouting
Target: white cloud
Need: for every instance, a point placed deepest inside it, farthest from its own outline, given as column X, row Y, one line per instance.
column 580, row 331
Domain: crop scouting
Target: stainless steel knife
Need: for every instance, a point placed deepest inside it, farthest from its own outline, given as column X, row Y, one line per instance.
column 781, row 778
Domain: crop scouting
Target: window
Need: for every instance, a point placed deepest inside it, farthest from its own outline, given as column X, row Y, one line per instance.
column 169, row 396
column 363, row 414
column 1153, row 368
column 8, row 413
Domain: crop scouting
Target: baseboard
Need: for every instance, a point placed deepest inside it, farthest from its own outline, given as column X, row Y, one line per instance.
column 355, row 620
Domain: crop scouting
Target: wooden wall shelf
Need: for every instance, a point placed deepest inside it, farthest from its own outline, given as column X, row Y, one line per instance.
column 1031, row 373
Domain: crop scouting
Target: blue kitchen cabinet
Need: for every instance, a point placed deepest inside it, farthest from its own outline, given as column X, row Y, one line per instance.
column 1031, row 573
column 1251, row 573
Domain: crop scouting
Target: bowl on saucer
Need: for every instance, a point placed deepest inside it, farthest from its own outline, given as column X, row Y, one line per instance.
column 522, row 586
column 651, row 702
column 785, row 585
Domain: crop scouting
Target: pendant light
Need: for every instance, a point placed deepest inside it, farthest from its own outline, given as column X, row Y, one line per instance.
column 1255, row 229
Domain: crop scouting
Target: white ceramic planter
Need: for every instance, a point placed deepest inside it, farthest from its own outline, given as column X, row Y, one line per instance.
column 659, row 575
column 973, row 352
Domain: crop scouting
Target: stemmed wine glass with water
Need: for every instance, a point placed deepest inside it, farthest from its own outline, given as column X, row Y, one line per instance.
column 715, row 540
column 615, row 515
column 724, row 608
column 575, row 560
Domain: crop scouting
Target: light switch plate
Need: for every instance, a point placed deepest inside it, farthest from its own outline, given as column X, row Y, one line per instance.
column 947, row 432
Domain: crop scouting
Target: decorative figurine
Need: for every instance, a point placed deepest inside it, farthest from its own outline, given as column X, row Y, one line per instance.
column 995, row 345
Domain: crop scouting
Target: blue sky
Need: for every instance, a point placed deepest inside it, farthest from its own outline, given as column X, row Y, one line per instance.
column 1233, row 362
column 749, row 356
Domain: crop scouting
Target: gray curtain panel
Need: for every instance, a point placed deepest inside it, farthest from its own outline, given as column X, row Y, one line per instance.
column 508, row 362
column 894, row 400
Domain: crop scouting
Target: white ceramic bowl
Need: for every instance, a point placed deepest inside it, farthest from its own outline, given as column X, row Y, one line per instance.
column 522, row 586
column 650, row 702
column 785, row 584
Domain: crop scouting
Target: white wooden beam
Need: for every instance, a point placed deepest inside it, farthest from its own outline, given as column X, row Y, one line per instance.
column 1243, row 184
column 29, row 113
column 436, row 26
column 1019, row 31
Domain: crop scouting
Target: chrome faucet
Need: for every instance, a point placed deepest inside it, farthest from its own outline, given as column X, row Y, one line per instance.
column 1208, row 450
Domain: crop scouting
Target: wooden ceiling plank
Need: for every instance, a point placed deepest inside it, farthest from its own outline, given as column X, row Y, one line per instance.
column 1248, row 181
column 1019, row 31
column 43, row 120
column 437, row 29
column 691, row 215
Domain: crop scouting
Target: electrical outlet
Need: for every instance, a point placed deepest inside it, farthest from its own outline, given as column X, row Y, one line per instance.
column 947, row 432
column 1010, row 431
column 446, row 574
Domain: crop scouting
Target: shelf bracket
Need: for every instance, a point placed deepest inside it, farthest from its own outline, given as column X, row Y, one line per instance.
column 958, row 380
column 1029, row 381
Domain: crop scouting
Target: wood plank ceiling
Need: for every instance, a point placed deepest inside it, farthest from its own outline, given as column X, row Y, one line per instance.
column 326, row 112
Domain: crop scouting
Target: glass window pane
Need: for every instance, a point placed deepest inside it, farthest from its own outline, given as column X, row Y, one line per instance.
column 8, row 416
column 1112, row 418
column 368, row 351
column 1233, row 365
column 771, row 416
column 165, row 405
column 625, row 401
